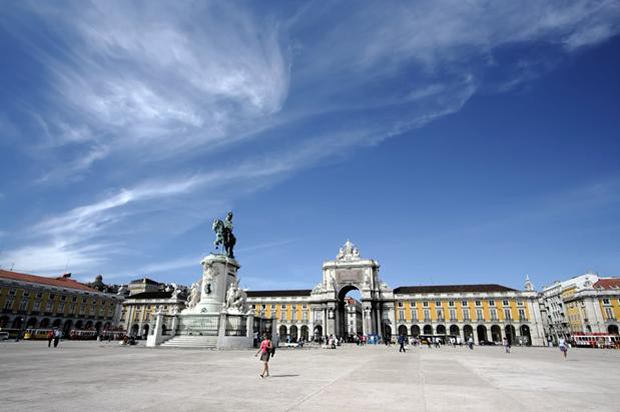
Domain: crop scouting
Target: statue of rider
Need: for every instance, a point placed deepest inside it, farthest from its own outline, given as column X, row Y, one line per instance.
column 229, row 238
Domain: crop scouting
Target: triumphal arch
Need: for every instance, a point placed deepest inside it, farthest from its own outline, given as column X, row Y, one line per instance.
column 349, row 272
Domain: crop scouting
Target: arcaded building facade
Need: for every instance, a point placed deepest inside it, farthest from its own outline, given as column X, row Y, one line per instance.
column 30, row 301
column 487, row 313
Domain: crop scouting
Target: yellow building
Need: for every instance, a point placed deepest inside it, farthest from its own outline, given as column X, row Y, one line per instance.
column 585, row 304
column 148, row 298
column 487, row 313
column 29, row 301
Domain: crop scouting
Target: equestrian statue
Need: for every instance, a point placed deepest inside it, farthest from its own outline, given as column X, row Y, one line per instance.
column 224, row 235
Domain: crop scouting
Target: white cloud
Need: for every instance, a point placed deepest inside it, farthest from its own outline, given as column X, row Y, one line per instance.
column 588, row 36
column 54, row 258
column 158, row 96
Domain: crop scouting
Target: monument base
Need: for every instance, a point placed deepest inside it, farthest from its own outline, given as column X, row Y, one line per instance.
column 217, row 315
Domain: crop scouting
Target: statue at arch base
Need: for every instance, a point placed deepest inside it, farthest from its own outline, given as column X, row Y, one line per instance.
column 216, row 314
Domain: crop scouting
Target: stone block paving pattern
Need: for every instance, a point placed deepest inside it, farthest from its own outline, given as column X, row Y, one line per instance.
column 92, row 376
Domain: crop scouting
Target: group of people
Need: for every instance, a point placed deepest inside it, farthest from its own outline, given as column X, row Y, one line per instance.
column 53, row 335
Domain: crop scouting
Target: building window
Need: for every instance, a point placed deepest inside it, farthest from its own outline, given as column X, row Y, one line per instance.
column 520, row 302
column 72, row 309
column 74, row 299
column 439, row 315
column 427, row 315
column 26, row 293
column 63, row 298
column 478, row 303
column 401, row 315
column 8, row 304
column 36, row 306
column 52, row 296
column 505, row 303
column 82, row 309
column 39, row 295
column 466, row 315
column 414, row 315
column 491, row 303
column 401, row 304
column 23, row 305
column 464, row 302
column 507, row 314
column 425, row 304
column 605, row 301
column 479, row 314
column 451, row 303
column 12, row 292
column 493, row 314
column 283, row 307
column 610, row 313
column 522, row 314
column 437, row 303
column 48, row 307
column 452, row 314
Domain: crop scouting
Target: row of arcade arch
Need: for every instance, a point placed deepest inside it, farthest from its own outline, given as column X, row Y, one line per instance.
column 19, row 322
column 483, row 334
column 296, row 334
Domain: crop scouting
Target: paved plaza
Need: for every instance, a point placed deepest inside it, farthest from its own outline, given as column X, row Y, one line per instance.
column 91, row 376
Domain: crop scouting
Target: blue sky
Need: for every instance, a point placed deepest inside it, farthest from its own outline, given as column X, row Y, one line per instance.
column 452, row 141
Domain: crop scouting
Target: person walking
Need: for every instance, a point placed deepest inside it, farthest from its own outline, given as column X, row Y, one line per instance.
column 470, row 342
column 507, row 345
column 563, row 347
column 265, row 349
column 50, row 338
column 56, row 337
column 401, row 342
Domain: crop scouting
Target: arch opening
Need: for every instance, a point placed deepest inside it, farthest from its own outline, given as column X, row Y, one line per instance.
column 496, row 334
column 526, row 338
column 468, row 332
column 349, row 321
column 482, row 334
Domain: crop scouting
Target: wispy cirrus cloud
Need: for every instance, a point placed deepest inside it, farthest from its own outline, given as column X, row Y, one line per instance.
column 157, row 97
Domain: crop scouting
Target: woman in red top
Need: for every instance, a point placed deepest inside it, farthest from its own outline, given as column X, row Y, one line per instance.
column 265, row 350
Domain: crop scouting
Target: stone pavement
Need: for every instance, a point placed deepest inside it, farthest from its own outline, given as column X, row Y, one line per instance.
column 91, row 376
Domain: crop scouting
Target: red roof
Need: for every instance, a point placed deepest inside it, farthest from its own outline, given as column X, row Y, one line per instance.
column 63, row 282
column 607, row 284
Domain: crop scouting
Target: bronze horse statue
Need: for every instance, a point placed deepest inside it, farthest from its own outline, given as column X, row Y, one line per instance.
column 224, row 236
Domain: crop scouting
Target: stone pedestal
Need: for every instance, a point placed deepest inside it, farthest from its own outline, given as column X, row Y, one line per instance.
column 218, row 273
column 217, row 313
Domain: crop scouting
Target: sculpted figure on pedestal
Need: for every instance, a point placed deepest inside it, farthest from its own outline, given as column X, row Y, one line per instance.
column 367, row 281
column 235, row 298
column 348, row 252
column 211, row 272
column 194, row 296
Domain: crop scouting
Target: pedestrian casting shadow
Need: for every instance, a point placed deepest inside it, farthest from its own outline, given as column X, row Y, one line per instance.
column 283, row 376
